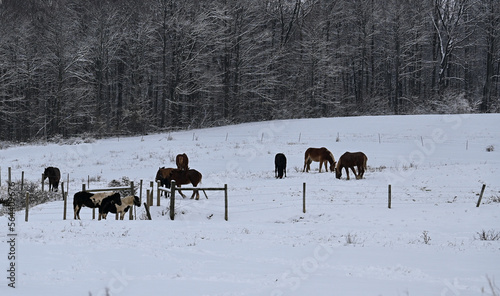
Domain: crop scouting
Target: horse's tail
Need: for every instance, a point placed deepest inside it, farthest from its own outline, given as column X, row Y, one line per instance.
column 200, row 177
column 306, row 159
column 365, row 159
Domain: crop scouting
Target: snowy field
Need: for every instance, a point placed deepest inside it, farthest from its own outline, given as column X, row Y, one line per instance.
column 347, row 243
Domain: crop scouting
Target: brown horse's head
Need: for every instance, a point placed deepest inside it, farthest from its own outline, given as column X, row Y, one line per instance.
column 338, row 169
column 331, row 160
column 332, row 167
column 163, row 175
column 338, row 173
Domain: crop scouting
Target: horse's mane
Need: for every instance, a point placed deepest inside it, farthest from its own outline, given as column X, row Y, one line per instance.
column 339, row 164
column 332, row 157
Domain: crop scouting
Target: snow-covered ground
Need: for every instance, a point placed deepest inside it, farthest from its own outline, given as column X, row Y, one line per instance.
column 347, row 243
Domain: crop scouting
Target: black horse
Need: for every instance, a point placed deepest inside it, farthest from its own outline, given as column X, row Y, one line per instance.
column 279, row 165
column 54, row 176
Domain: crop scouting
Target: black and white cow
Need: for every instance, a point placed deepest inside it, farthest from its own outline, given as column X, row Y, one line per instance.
column 108, row 206
column 93, row 200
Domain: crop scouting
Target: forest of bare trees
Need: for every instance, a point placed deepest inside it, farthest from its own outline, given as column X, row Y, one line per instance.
column 108, row 67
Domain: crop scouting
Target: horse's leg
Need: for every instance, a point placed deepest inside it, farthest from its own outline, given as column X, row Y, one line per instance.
column 355, row 174
column 320, row 164
column 361, row 171
column 197, row 194
column 347, row 172
column 77, row 211
column 182, row 194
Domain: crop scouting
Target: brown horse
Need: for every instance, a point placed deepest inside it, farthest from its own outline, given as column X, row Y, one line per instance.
column 350, row 160
column 182, row 177
column 181, row 160
column 322, row 155
column 163, row 175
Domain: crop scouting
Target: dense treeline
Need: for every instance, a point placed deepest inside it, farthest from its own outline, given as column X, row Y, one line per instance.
column 125, row 66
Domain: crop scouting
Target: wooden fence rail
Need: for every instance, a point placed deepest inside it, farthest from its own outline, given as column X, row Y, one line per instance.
column 173, row 189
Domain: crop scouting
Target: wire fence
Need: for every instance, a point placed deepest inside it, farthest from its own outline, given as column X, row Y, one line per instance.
column 272, row 197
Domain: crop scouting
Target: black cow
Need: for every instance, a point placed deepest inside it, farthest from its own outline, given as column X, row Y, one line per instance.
column 108, row 206
column 93, row 200
column 279, row 165
column 54, row 176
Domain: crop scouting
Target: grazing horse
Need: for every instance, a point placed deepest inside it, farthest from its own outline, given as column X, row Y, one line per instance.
column 111, row 207
column 187, row 177
column 349, row 160
column 93, row 200
column 54, row 176
column 181, row 160
column 322, row 155
column 279, row 165
column 163, row 175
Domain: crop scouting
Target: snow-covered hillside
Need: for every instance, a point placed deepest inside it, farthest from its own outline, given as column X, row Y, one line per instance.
column 347, row 243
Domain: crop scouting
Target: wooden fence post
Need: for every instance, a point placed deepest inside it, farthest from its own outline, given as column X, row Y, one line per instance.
column 157, row 194
column 147, row 211
column 225, row 203
column 9, row 176
column 22, row 180
column 158, row 185
column 43, row 185
column 172, row 200
column 140, row 200
column 480, row 196
column 304, row 197
column 132, row 192
column 389, row 195
column 27, row 206
column 65, row 200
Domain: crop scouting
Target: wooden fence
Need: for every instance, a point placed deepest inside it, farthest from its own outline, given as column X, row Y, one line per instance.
column 172, row 192
column 131, row 188
column 173, row 189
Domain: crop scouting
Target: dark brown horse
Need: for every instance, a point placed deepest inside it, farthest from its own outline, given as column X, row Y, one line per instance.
column 163, row 175
column 322, row 155
column 279, row 165
column 348, row 161
column 54, row 176
column 182, row 177
column 181, row 160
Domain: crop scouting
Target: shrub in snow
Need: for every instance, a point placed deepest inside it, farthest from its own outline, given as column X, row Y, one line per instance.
column 36, row 196
column 490, row 235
